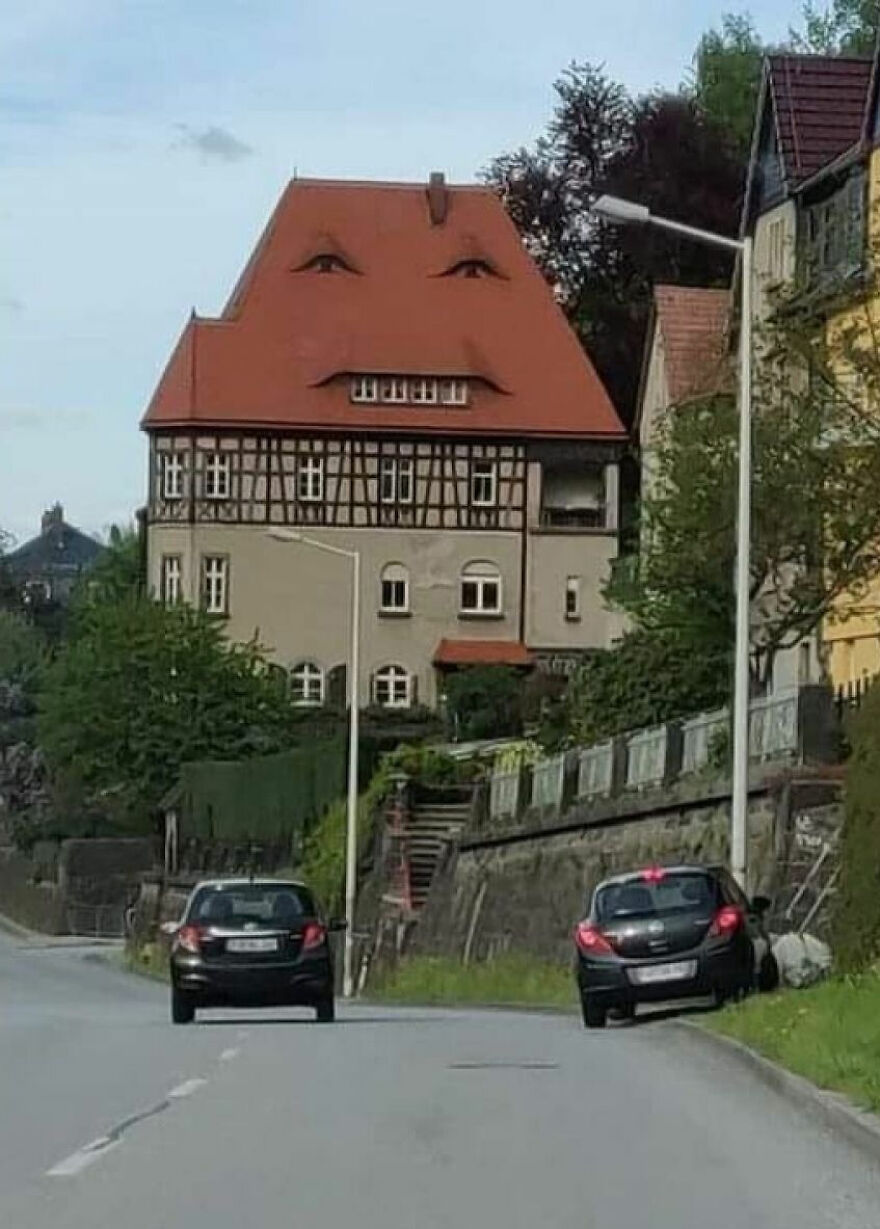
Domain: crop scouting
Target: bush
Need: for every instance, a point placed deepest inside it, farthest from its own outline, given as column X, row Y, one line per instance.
column 485, row 702
column 856, row 912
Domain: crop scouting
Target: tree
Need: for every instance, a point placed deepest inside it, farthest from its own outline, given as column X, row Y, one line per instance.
column 726, row 76
column 119, row 572
column 845, row 27
column 856, row 903
column 660, row 149
column 138, row 689
column 815, row 512
column 8, row 591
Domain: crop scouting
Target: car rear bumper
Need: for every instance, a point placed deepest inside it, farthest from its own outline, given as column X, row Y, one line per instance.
column 304, row 982
column 724, row 970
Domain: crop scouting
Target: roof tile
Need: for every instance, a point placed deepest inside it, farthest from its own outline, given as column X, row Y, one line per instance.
column 693, row 322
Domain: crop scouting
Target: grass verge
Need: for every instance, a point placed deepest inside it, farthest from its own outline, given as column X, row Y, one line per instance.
column 829, row 1034
column 513, row 980
column 149, row 960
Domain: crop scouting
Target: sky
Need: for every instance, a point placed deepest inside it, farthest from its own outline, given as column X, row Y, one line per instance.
column 144, row 143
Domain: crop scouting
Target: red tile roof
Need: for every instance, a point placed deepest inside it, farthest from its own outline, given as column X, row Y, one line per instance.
column 281, row 352
column 482, row 653
column 693, row 323
column 820, row 106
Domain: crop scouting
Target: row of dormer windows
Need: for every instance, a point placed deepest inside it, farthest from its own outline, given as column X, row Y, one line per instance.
column 409, row 390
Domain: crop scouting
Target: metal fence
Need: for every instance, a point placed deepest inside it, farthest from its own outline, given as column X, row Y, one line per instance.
column 596, row 771
column 504, row 794
column 699, row 735
column 773, row 727
column 548, row 779
column 646, row 757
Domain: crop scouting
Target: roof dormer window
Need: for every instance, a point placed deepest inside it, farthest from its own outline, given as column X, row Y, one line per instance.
column 364, row 388
column 472, row 267
column 325, row 262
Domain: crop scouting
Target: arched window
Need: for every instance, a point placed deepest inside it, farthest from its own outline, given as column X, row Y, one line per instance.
column 480, row 591
column 392, row 687
column 307, row 683
column 394, row 589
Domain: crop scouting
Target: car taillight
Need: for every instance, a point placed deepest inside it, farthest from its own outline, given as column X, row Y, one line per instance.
column 591, row 941
column 314, row 935
column 727, row 921
column 653, row 874
column 189, row 938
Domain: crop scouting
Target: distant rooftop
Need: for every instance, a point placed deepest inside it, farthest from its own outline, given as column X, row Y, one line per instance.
column 58, row 548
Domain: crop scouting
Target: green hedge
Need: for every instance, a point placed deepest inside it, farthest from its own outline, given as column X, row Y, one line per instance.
column 856, row 913
column 271, row 797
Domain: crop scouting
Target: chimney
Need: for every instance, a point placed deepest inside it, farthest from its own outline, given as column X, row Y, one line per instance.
column 438, row 198
column 53, row 519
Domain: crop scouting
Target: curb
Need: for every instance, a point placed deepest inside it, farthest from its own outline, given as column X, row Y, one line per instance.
column 17, row 931
column 522, row 1009
column 860, row 1127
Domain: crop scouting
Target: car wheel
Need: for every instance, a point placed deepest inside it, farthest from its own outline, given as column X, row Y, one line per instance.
column 183, row 1009
column 768, row 974
column 325, row 1011
column 594, row 1015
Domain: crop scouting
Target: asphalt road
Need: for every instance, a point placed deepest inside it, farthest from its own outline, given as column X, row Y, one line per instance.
column 393, row 1119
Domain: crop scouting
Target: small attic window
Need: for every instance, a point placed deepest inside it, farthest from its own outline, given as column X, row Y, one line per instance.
column 472, row 267
column 325, row 262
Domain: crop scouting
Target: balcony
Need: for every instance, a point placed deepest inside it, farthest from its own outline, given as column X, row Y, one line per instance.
column 573, row 520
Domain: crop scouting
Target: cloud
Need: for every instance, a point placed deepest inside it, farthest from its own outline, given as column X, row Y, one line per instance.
column 214, row 143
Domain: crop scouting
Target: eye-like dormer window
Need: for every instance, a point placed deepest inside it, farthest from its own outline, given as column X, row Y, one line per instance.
column 472, row 267
column 326, row 262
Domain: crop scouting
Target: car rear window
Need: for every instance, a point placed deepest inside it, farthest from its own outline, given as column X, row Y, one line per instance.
column 680, row 892
column 248, row 904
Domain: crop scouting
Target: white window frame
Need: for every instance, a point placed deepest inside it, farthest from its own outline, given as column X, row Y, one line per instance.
column 307, row 684
column 396, row 480
column 394, row 574
column 481, row 576
column 310, row 480
column 397, row 682
column 218, row 475
column 215, row 584
column 572, row 598
column 453, row 392
column 394, row 390
column 365, row 388
column 171, row 475
column 423, row 390
column 484, row 472
column 171, row 579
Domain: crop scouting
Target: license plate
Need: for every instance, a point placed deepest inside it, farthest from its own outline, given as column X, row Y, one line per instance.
column 252, row 945
column 651, row 974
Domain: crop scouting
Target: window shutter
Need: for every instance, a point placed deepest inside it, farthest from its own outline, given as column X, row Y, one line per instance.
column 413, row 690
column 336, row 686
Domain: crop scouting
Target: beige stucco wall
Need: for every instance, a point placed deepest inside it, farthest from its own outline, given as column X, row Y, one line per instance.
column 655, row 405
column 296, row 599
column 551, row 559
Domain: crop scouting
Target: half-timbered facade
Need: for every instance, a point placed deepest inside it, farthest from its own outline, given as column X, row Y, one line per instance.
column 391, row 375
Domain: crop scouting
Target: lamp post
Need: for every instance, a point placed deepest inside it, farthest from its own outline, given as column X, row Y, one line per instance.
column 622, row 212
column 290, row 535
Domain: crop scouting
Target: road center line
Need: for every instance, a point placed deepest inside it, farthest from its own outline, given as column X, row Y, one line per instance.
column 186, row 1089
column 82, row 1158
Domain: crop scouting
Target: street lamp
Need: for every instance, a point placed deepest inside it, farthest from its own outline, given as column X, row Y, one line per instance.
column 291, row 535
column 621, row 212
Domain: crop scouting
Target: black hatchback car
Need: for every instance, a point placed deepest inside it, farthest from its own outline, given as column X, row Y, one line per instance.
column 251, row 943
column 670, row 933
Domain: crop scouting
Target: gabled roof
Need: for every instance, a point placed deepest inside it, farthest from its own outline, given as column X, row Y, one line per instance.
column 813, row 110
column 281, row 352
column 58, row 548
column 693, row 322
column 820, row 106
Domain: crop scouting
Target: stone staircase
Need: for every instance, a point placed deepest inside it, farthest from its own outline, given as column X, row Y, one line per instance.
column 430, row 830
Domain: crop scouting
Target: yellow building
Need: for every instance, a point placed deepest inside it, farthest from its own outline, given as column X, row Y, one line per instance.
column 812, row 197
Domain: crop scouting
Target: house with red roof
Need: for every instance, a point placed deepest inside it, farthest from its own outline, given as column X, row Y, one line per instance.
column 391, row 375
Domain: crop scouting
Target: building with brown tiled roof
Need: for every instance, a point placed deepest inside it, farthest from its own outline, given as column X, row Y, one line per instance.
column 390, row 374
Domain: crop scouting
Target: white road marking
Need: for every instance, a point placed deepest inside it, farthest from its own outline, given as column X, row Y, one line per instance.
column 82, row 1159
column 186, row 1089
column 227, row 1055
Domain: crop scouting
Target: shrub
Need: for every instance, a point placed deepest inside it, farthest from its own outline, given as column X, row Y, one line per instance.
column 856, row 912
